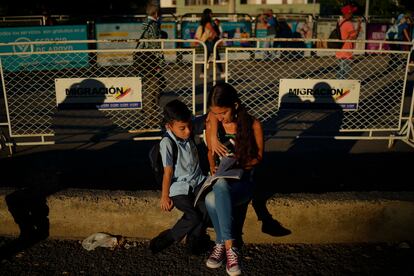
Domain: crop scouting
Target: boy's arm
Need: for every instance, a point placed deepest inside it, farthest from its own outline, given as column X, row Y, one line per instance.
column 167, row 156
column 215, row 144
column 166, row 202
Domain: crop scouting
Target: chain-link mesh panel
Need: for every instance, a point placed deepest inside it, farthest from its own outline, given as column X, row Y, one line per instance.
column 256, row 75
column 32, row 99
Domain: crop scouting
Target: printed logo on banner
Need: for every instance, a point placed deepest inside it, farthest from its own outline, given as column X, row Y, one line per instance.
column 23, row 47
column 35, row 62
column 319, row 93
column 100, row 93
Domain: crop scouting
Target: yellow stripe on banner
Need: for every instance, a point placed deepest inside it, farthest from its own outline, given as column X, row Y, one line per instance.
column 112, row 34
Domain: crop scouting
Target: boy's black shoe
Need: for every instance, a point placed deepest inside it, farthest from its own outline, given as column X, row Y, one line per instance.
column 274, row 228
column 162, row 241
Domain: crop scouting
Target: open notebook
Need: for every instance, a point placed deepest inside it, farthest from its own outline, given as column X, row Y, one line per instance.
column 224, row 170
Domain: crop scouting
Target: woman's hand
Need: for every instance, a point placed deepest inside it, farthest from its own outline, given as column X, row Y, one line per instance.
column 166, row 203
column 213, row 170
column 217, row 147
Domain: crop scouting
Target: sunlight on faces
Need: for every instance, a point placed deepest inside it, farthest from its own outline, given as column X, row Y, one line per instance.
column 180, row 129
column 223, row 114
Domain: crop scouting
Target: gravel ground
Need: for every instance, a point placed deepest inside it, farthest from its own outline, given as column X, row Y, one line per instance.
column 64, row 257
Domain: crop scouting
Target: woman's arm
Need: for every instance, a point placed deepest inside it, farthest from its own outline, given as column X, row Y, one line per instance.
column 406, row 36
column 258, row 135
column 216, row 146
column 353, row 35
column 210, row 153
column 213, row 33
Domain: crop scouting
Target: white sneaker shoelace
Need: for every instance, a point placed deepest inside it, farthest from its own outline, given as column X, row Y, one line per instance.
column 217, row 256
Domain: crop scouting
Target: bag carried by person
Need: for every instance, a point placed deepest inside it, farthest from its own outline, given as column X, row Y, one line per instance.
column 156, row 161
column 336, row 34
column 198, row 124
column 203, row 36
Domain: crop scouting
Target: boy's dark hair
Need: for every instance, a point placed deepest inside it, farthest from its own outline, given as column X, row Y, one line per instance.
column 176, row 110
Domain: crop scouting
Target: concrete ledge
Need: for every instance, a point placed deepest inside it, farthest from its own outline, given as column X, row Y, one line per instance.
column 312, row 218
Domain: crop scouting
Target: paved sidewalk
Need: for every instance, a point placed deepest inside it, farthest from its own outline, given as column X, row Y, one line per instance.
column 63, row 257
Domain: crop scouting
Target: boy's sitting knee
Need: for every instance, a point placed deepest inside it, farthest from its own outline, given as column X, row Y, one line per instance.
column 194, row 221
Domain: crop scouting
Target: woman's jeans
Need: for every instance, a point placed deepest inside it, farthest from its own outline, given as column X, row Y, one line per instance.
column 220, row 202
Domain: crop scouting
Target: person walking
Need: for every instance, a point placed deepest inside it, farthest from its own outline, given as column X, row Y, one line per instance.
column 272, row 30
column 400, row 31
column 348, row 32
column 150, row 63
column 207, row 33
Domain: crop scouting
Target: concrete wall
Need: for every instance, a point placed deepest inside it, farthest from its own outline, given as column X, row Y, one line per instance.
column 326, row 218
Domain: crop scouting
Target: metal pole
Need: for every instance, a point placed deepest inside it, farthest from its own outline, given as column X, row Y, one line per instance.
column 314, row 9
column 367, row 10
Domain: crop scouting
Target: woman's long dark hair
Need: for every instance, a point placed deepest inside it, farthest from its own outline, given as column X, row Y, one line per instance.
column 225, row 95
column 205, row 18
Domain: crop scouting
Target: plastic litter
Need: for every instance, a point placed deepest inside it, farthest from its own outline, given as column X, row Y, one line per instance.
column 130, row 245
column 404, row 245
column 100, row 240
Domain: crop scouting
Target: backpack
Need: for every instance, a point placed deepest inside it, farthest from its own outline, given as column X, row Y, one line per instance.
column 155, row 156
column 156, row 161
column 203, row 36
column 336, row 34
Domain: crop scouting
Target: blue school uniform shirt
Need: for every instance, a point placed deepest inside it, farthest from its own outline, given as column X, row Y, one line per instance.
column 187, row 171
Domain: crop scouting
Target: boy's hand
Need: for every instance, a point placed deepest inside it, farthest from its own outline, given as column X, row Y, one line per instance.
column 166, row 203
column 218, row 147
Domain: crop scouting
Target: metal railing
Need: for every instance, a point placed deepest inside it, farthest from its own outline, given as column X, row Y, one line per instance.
column 28, row 80
column 257, row 73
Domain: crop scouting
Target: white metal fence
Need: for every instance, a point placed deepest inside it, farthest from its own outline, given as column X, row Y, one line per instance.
column 384, row 108
column 28, row 78
column 29, row 71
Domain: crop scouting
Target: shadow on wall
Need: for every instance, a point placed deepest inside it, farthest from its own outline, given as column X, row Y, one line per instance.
column 41, row 174
column 310, row 166
column 281, row 168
